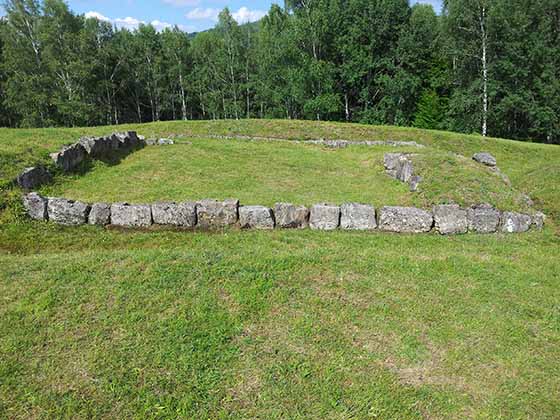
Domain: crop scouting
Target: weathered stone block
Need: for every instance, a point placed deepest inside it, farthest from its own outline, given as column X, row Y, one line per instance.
column 256, row 217
column 538, row 221
column 414, row 183
column 100, row 214
column 511, row 222
column 405, row 220
column 289, row 216
column 32, row 178
column 165, row 142
column 405, row 170
column 391, row 162
column 129, row 215
column 69, row 157
column 354, row 216
column 96, row 147
column 174, row 214
column 483, row 218
column 485, row 158
column 67, row 212
column 217, row 214
column 122, row 140
column 450, row 219
column 324, row 217
column 36, row 206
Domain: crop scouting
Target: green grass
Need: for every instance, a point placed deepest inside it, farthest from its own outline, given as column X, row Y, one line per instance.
column 105, row 323
column 265, row 173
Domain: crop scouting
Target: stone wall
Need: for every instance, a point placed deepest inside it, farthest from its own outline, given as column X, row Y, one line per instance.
column 71, row 156
column 211, row 214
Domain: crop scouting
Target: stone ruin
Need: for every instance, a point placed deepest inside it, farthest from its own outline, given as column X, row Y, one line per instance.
column 71, row 156
column 400, row 167
column 212, row 214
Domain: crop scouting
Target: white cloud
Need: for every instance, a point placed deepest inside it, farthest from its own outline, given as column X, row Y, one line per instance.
column 160, row 26
column 98, row 16
column 129, row 22
column 245, row 15
column 203, row 14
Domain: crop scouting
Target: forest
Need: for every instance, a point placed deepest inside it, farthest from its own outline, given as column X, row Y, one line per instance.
column 490, row 67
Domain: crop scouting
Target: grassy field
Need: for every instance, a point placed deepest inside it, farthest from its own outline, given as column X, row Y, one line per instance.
column 103, row 323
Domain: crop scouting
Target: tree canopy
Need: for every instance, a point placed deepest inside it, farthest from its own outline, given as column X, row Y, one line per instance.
column 481, row 66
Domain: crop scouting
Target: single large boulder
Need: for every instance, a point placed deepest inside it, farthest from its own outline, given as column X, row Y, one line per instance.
column 100, row 214
column 485, row 158
column 217, row 214
column 256, row 217
column 483, row 218
column 175, row 214
column 289, row 216
column 69, row 157
column 324, row 217
column 67, row 212
column 129, row 215
column 511, row 222
column 538, row 221
column 354, row 216
column 450, row 219
column 34, row 177
column 36, row 206
column 405, row 220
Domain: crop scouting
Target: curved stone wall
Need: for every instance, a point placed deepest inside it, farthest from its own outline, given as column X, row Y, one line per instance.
column 212, row 214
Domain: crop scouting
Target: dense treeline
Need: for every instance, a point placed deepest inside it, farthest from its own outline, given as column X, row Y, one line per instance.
column 487, row 66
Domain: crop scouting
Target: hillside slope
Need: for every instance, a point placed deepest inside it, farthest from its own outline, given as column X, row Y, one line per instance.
column 106, row 323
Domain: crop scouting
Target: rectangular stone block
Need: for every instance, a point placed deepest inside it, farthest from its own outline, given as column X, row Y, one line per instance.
column 450, row 219
column 67, row 212
column 289, row 216
column 175, row 214
column 511, row 222
column 256, row 217
column 354, row 216
column 34, row 177
column 217, row 214
column 100, row 214
column 405, row 220
column 36, row 206
column 69, row 157
column 483, row 218
column 131, row 215
column 324, row 217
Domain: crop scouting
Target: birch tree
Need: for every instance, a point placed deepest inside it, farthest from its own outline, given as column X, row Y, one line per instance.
column 469, row 24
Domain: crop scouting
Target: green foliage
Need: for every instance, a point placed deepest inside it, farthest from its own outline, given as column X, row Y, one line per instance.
column 165, row 324
column 430, row 113
column 495, row 63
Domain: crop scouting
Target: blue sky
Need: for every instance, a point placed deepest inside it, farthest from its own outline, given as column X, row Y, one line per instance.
column 189, row 15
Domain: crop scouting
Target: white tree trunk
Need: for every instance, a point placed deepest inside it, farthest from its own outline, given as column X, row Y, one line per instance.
column 484, row 59
column 183, row 98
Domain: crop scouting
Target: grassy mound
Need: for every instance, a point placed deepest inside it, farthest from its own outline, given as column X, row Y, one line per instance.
column 101, row 323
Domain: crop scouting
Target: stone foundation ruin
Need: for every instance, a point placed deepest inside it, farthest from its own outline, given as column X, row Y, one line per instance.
column 212, row 214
